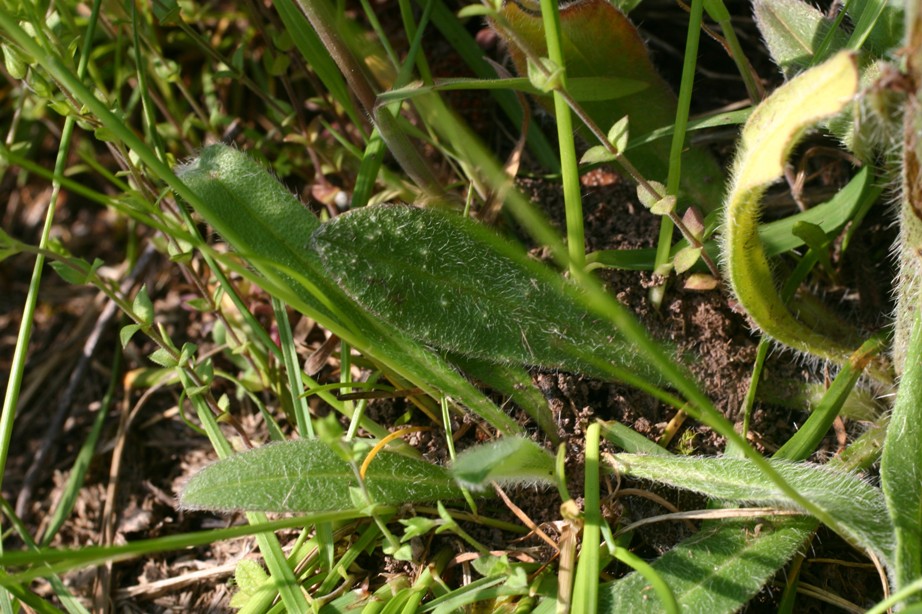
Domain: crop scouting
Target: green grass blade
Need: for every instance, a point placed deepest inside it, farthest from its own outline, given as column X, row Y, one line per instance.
column 292, row 370
column 82, row 463
column 573, row 206
column 680, row 126
column 316, row 56
column 808, row 437
column 455, row 33
column 48, row 561
column 586, row 586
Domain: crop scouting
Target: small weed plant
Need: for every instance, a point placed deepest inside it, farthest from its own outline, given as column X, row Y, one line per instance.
column 188, row 125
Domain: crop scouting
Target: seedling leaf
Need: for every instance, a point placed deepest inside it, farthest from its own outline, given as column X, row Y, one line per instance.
column 597, row 155
column 545, row 80
column 686, row 259
column 308, row 476
column 163, row 358
column 475, row 10
column 646, row 198
column 127, row 332
column 510, row 460
column 143, row 307
column 664, row 206
column 618, row 134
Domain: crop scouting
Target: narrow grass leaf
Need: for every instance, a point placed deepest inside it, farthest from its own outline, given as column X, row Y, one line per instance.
column 878, row 26
column 858, row 507
column 630, row 440
column 315, row 55
column 808, row 436
column 454, row 31
column 309, row 476
column 452, row 283
column 901, row 465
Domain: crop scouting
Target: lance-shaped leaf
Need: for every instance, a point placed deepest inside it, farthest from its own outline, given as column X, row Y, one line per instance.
column 455, row 284
column 600, row 44
column 269, row 228
column 717, row 570
column 309, row 476
column 857, row 507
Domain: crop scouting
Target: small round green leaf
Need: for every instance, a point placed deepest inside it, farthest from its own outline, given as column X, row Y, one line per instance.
column 618, row 134
column 664, row 206
column 545, row 80
column 647, row 199
column 686, row 259
column 143, row 307
column 597, row 155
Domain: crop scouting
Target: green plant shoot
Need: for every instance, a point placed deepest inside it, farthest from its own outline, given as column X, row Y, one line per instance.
column 600, row 44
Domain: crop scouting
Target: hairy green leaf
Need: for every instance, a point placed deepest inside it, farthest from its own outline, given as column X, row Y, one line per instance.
column 858, row 507
column 793, row 31
column 456, row 285
column 271, row 230
column 770, row 134
column 307, row 475
column 716, row 571
column 510, row 460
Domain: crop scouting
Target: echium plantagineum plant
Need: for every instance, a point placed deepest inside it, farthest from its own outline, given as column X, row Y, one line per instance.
column 453, row 285
column 433, row 299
